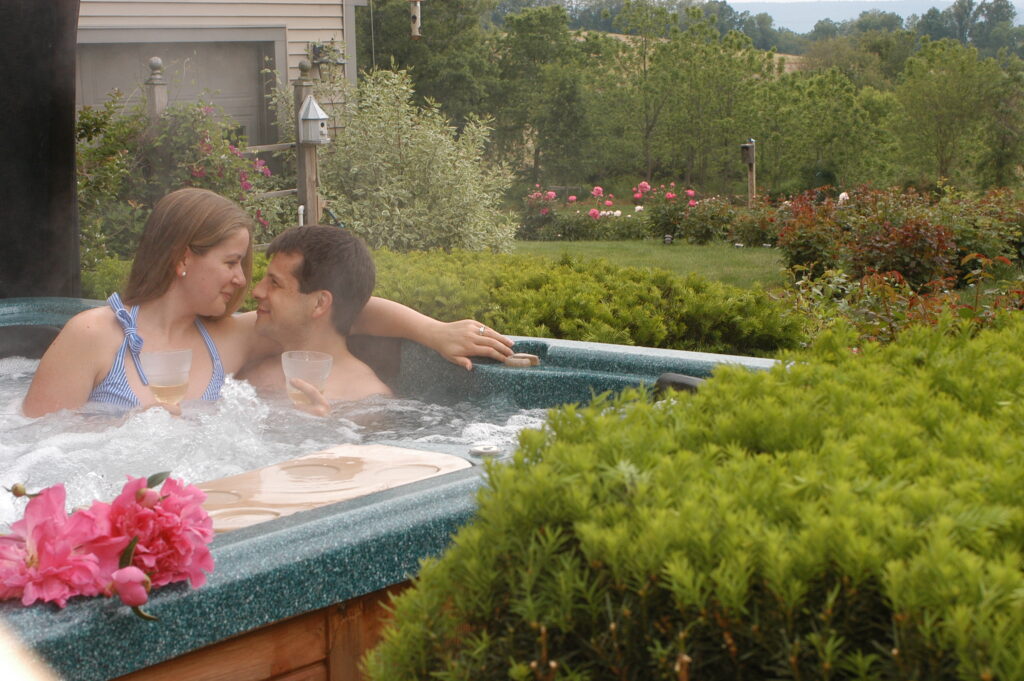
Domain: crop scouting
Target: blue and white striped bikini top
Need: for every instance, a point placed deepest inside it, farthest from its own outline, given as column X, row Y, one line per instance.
column 114, row 389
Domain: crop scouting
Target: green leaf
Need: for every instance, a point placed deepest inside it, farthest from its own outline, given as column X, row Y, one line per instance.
column 128, row 553
column 157, row 478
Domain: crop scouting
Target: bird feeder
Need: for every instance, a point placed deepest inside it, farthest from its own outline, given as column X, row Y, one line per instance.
column 312, row 123
column 414, row 18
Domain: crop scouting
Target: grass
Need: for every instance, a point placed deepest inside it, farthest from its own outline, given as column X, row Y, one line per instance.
column 743, row 267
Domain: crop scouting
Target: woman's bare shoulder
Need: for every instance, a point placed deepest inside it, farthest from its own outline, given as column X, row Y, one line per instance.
column 92, row 325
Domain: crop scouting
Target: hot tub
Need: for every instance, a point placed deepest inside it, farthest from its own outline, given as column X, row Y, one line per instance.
column 299, row 596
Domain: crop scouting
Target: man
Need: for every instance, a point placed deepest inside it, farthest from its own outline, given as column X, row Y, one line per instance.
column 317, row 281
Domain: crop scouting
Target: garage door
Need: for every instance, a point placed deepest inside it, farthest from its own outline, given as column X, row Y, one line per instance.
column 227, row 73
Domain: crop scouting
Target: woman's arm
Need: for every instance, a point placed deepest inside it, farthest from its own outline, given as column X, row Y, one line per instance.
column 71, row 366
column 455, row 341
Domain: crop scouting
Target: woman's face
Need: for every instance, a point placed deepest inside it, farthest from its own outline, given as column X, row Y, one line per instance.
column 212, row 279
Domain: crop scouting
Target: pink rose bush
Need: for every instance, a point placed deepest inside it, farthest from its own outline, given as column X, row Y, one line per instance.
column 144, row 538
column 599, row 216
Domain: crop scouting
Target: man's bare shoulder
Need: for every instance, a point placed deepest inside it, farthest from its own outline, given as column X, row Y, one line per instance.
column 264, row 374
column 354, row 380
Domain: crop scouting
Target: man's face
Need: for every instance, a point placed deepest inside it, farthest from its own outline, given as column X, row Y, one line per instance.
column 283, row 313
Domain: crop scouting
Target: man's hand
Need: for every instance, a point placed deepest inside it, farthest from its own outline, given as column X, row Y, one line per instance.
column 319, row 406
column 458, row 341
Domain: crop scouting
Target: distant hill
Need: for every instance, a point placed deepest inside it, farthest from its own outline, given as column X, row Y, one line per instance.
column 800, row 17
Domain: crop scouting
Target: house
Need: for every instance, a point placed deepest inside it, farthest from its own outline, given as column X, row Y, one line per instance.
column 221, row 47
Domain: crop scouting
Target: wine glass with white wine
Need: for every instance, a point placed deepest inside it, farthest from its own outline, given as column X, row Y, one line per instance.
column 167, row 373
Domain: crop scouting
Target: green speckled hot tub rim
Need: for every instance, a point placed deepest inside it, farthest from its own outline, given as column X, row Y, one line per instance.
column 310, row 560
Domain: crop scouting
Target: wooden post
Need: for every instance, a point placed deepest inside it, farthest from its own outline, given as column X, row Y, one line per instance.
column 749, row 156
column 305, row 154
column 156, row 90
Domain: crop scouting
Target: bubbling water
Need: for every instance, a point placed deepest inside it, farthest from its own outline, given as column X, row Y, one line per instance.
column 92, row 450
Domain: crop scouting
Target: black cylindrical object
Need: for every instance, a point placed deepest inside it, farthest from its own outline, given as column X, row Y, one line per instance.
column 39, row 253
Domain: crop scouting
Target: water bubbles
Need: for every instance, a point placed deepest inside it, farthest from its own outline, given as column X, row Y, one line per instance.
column 92, row 450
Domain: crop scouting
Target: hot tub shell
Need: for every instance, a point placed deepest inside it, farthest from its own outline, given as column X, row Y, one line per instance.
column 337, row 553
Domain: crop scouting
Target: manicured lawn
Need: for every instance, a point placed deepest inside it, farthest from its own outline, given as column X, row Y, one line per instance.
column 742, row 267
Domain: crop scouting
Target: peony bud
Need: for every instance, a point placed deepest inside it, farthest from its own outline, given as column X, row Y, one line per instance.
column 132, row 585
column 147, row 497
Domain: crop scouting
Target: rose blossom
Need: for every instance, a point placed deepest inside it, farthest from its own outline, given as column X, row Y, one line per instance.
column 572, row 199
column 597, row 192
column 691, row 193
column 594, row 213
column 609, row 203
column 644, row 187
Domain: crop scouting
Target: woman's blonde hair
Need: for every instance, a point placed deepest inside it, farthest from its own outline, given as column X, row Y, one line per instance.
column 194, row 219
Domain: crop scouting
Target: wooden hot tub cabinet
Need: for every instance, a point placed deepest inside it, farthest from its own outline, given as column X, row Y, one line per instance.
column 323, row 645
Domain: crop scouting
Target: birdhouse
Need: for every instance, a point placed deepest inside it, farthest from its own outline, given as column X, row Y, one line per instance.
column 312, row 123
column 747, row 152
column 414, row 18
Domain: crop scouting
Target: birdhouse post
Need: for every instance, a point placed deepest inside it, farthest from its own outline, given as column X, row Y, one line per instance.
column 748, row 155
column 309, row 134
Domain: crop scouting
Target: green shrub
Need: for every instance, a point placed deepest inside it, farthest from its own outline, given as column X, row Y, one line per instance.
column 125, row 164
column 848, row 516
column 591, row 300
column 105, row 277
column 403, row 178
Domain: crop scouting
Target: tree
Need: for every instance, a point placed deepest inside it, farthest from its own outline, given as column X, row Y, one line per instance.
column 709, row 81
column 536, row 102
column 877, row 20
column 936, row 25
column 941, row 103
column 450, row 64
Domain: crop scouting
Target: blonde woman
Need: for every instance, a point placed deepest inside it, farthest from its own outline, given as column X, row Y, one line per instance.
column 188, row 278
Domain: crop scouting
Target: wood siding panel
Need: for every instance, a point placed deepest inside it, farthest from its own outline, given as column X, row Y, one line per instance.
column 304, row 20
column 245, row 12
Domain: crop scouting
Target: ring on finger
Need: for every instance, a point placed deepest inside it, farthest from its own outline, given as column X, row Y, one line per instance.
column 482, row 330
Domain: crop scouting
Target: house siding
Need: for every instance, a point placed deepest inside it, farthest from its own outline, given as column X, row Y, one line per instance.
column 303, row 20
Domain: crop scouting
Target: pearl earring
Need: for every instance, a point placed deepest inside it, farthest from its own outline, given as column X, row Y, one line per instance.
column 183, row 273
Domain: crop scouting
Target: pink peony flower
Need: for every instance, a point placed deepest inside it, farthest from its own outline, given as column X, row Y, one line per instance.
column 132, row 585
column 671, row 184
column 692, row 203
column 173, row 534
column 644, row 187
column 597, row 192
column 594, row 213
column 690, row 193
column 550, row 196
column 669, row 195
column 572, row 199
column 609, row 203
column 40, row 560
column 638, row 196
column 544, row 211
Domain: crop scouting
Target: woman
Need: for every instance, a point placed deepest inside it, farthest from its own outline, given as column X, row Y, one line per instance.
column 188, row 278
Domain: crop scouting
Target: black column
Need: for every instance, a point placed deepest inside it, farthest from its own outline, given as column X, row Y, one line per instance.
column 38, row 211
